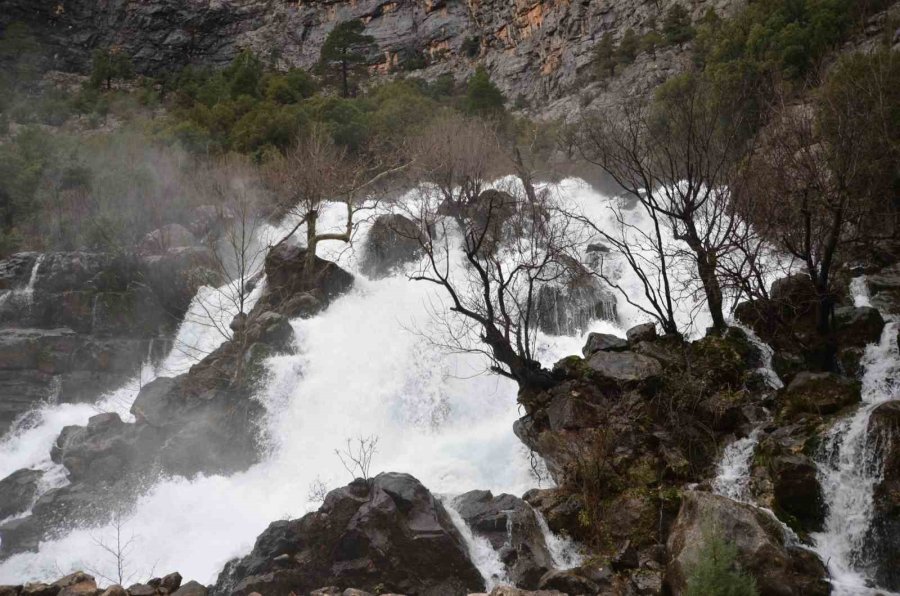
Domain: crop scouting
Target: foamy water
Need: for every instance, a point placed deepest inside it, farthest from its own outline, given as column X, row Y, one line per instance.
column 361, row 368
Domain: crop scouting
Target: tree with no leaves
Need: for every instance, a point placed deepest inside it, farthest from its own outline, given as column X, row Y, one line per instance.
column 489, row 250
column 676, row 156
column 316, row 171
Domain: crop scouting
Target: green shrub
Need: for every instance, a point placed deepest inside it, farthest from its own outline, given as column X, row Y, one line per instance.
column 716, row 572
column 483, row 98
column 677, row 25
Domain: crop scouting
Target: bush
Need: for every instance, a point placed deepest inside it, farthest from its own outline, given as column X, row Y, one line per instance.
column 483, row 98
column 677, row 25
column 716, row 572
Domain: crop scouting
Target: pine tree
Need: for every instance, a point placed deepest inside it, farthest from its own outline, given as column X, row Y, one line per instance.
column 677, row 25
column 628, row 47
column 345, row 53
column 715, row 572
column 483, row 97
column 605, row 56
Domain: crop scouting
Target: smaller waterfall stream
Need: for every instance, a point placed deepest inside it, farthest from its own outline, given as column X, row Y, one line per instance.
column 849, row 468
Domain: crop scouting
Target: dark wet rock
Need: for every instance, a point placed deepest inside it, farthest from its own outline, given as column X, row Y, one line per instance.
column 176, row 275
column 568, row 582
column 883, row 543
column 624, row 366
column 762, row 551
column 272, row 329
column 603, row 342
column 141, row 590
column 510, row 525
column 642, row 332
column 39, row 589
column 286, row 276
column 818, row 394
column 884, row 287
column 114, row 590
column 797, row 492
column 17, row 491
column 154, row 402
column 388, row 534
column 857, row 326
column 392, row 241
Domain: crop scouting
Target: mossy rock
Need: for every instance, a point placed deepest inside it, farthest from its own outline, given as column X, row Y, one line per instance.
column 819, row 394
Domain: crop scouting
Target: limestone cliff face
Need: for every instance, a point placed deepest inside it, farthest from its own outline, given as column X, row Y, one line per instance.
column 536, row 49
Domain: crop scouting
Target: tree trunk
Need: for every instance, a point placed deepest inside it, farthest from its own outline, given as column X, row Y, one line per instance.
column 345, row 85
column 311, row 242
column 527, row 373
column 712, row 289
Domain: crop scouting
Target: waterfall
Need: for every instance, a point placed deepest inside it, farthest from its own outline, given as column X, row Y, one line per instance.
column 365, row 366
column 848, row 466
column 563, row 551
column 733, row 470
column 26, row 294
column 481, row 553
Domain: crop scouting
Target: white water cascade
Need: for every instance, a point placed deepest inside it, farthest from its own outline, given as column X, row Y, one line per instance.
column 733, row 471
column 24, row 294
column 360, row 369
column 849, row 468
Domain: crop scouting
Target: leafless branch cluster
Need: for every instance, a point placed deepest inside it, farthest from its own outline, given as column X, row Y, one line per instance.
column 357, row 456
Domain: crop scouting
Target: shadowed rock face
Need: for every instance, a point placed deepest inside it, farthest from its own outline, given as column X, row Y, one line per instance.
column 762, row 552
column 533, row 48
column 386, row 534
column 884, row 534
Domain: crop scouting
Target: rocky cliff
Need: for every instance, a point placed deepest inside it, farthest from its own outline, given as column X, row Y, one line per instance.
column 534, row 49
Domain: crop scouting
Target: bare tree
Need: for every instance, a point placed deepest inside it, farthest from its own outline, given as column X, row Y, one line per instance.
column 358, row 455
column 118, row 548
column 804, row 196
column 316, row 171
column 676, row 156
column 499, row 249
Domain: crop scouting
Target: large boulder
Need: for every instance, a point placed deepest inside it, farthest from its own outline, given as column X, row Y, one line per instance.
column 797, row 492
column 386, row 534
column 884, row 287
column 857, row 326
column 392, row 241
column 17, row 491
column 287, row 278
column 884, row 535
column 624, row 366
column 762, row 551
column 603, row 342
column 818, row 394
column 510, row 525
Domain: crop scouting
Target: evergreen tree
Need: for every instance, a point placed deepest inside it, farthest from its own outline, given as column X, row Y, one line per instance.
column 628, row 47
column 650, row 42
column 110, row 64
column 345, row 52
column 677, row 25
column 715, row 572
column 483, row 97
column 605, row 56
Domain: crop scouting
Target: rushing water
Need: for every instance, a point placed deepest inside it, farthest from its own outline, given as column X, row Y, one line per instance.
column 849, row 468
column 363, row 367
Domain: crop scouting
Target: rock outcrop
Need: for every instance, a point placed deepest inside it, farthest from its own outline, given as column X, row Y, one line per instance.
column 387, row 534
column 76, row 324
column 533, row 48
column 762, row 551
column 393, row 241
column 884, row 535
column 511, row 526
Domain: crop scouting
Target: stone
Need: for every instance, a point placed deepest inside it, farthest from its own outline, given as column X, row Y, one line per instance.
column 818, row 393
column 762, row 550
column 857, row 326
column 883, row 540
column 599, row 342
column 171, row 582
column 884, row 288
column 76, row 584
column 385, row 534
column 392, row 241
column 797, row 491
column 141, row 590
column 286, row 275
column 272, row 329
column 155, row 402
column 510, row 525
column 10, row 590
column 624, row 366
column 18, row 491
column 642, row 332
column 115, row 590
column 191, row 588
column 39, row 589
column 568, row 581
